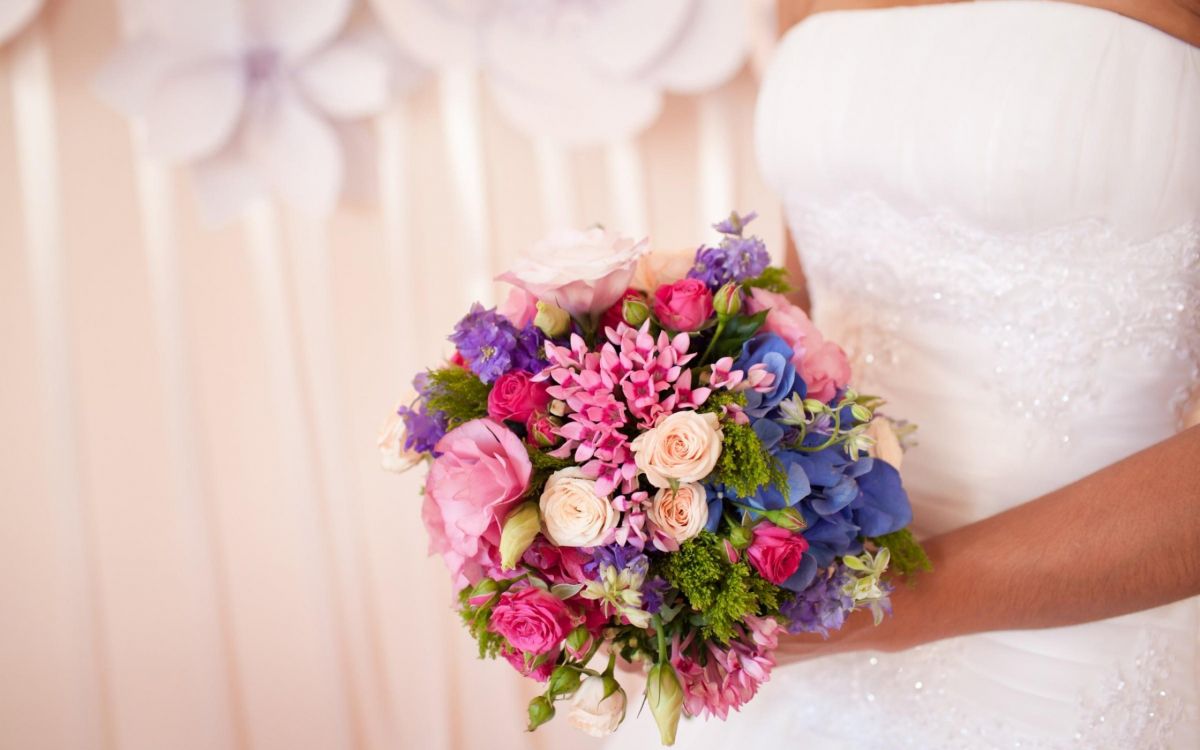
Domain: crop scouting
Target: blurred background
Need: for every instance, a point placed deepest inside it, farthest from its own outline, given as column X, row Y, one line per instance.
column 230, row 233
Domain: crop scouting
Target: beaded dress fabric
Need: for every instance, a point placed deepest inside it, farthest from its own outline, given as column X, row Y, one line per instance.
column 997, row 205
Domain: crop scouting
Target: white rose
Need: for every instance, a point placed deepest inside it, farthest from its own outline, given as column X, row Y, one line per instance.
column 574, row 515
column 392, row 455
column 581, row 272
column 680, row 514
column 887, row 445
column 683, row 447
column 592, row 713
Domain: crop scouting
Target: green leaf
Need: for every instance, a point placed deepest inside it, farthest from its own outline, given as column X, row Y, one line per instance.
column 738, row 329
column 773, row 279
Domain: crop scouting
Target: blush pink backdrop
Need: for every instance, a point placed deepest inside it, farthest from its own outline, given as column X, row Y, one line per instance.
column 198, row 549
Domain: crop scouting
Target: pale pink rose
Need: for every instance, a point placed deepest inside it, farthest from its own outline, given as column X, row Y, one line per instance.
column 480, row 474
column 589, row 711
column 825, row 369
column 659, row 267
column 679, row 514
column 392, row 454
column 683, row 306
column 683, row 447
column 574, row 514
column 531, row 620
column 519, row 307
column 584, row 272
column 821, row 363
column 887, row 444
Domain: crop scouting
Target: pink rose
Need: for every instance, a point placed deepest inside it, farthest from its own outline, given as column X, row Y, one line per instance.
column 683, row 306
column 541, row 673
column 531, row 620
column 822, row 364
column 541, row 430
column 615, row 315
column 556, row 564
column 481, row 472
column 515, row 396
column 584, row 273
column 775, row 553
column 520, row 307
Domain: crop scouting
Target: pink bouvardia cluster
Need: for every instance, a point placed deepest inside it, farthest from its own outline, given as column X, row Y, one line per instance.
column 717, row 678
column 633, row 378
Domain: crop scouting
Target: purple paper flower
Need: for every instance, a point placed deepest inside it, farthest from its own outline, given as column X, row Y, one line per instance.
column 736, row 259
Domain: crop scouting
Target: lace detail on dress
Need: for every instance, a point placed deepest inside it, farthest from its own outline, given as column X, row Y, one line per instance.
column 1052, row 303
column 911, row 700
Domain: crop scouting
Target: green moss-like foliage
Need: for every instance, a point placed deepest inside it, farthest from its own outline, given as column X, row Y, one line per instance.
column 908, row 556
column 457, row 393
column 745, row 464
column 773, row 279
column 721, row 592
column 476, row 621
column 543, row 466
column 719, row 399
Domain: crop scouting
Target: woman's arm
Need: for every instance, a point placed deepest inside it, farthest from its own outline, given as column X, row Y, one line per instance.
column 1123, row 539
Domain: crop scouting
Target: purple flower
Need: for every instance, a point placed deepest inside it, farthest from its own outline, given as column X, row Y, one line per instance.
column 652, row 594
column 422, row 429
column 619, row 556
column 822, row 606
column 736, row 259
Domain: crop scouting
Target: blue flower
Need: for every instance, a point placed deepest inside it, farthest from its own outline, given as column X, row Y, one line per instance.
column 882, row 505
column 772, row 351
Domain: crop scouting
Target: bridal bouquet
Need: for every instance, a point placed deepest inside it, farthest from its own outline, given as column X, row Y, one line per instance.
column 654, row 458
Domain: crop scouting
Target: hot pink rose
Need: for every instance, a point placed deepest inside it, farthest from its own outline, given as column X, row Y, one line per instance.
column 556, row 564
column 821, row 363
column 775, row 553
column 481, row 472
column 541, row 673
column 684, row 305
column 584, row 273
column 531, row 620
column 515, row 396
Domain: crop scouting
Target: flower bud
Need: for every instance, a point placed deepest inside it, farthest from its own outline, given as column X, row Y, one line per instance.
column 563, row 681
column 664, row 694
column 558, row 408
column 541, row 710
column 552, row 319
column 483, row 592
column 740, row 536
column 635, row 312
column 539, row 430
column 860, row 413
column 579, row 642
column 520, row 529
column 728, row 300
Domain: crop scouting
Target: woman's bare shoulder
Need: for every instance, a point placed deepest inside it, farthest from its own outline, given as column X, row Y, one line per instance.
column 1179, row 18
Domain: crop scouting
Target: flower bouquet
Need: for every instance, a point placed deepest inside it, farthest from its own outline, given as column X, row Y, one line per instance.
column 655, row 458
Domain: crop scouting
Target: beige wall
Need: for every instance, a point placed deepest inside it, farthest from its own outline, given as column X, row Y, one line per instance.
column 197, row 547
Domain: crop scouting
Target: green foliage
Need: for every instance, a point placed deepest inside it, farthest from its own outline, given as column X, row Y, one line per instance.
column 543, row 466
column 719, row 399
column 733, row 333
column 476, row 621
column 745, row 464
column 720, row 592
column 774, row 279
column 458, row 393
column 908, row 556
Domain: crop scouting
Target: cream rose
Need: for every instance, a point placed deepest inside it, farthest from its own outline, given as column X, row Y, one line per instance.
column 659, row 267
column 574, row 515
column 684, row 447
column 592, row 713
column 887, row 445
column 680, row 514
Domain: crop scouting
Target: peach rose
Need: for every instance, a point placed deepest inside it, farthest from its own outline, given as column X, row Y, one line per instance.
column 680, row 514
column 573, row 513
column 659, row 267
column 683, row 447
column 887, row 445
column 591, row 712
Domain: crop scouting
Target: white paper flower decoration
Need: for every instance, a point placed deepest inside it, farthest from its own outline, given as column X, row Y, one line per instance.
column 14, row 14
column 578, row 71
column 256, row 96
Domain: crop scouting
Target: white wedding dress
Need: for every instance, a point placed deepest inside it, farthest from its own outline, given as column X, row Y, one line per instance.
column 998, row 208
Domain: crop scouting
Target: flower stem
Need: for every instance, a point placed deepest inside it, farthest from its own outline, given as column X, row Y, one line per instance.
column 662, row 639
column 713, row 341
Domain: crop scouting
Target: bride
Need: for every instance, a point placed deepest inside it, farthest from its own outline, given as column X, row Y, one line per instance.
column 997, row 206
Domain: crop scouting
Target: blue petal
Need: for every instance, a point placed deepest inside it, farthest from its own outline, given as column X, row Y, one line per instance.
column 804, row 574
column 882, row 505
